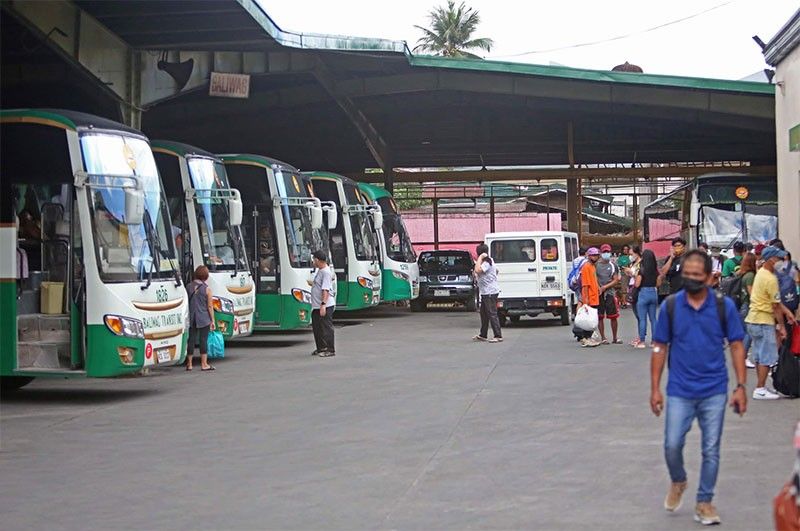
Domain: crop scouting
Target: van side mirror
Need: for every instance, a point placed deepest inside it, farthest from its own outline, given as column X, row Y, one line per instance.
column 316, row 217
column 378, row 218
column 333, row 219
column 235, row 209
column 134, row 206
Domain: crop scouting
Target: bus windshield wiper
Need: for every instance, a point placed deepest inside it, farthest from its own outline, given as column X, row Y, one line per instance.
column 236, row 243
column 155, row 251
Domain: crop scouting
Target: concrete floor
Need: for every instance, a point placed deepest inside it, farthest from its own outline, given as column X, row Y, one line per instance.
column 410, row 426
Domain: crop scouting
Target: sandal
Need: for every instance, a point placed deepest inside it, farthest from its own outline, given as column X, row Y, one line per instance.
column 188, row 368
column 209, row 368
column 618, row 342
column 605, row 342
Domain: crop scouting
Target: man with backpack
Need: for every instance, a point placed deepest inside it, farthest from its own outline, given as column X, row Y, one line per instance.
column 730, row 265
column 692, row 328
column 765, row 320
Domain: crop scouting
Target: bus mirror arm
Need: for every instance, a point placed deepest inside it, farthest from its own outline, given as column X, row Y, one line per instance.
column 131, row 186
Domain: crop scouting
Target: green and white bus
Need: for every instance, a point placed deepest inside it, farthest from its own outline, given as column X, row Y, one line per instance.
column 89, row 280
column 399, row 268
column 206, row 215
column 282, row 227
column 353, row 241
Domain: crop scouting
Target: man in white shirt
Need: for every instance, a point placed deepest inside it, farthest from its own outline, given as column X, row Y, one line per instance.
column 323, row 304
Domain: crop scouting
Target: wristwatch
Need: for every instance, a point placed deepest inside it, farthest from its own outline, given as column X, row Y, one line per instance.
column 741, row 385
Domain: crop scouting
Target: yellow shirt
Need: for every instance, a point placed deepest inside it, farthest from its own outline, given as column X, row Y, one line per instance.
column 764, row 294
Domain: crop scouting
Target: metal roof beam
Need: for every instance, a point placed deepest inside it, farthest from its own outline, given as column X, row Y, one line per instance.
column 372, row 138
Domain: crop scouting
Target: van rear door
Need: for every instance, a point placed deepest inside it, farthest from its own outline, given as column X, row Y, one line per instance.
column 551, row 266
column 517, row 267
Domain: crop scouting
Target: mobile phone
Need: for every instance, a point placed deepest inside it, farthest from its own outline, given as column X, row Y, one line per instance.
column 736, row 408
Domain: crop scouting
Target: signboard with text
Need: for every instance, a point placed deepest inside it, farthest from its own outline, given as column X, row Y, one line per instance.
column 229, row 85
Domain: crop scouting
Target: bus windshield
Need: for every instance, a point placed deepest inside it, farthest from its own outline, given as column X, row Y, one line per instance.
column 221, row 243
column 127, row 253
column 722, row 225
column 365, row 241
column 395, row 235
column 301, row 239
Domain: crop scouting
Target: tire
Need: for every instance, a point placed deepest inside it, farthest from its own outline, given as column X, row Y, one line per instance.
column 418, row 305
column 9, row 384
column 472, row 304
column 503, row 318
column 515, row 319
column 565, row 317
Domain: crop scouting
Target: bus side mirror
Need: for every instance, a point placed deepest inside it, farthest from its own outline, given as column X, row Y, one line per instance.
column 316, row 217
column 235, row 209
column 378, row 217
column 333, row 219
column 134, row 206
column 694, row 211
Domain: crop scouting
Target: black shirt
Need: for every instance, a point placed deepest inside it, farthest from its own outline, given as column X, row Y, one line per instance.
column 649, row 278
column 674, row 275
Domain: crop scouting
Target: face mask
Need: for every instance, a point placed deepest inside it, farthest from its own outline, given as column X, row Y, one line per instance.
column 606, row 256
column 693, row 286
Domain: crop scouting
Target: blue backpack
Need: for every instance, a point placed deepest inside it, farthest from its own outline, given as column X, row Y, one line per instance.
column 574, row 277
column 787, row 287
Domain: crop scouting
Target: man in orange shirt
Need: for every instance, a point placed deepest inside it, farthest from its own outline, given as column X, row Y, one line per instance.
column 590, row 290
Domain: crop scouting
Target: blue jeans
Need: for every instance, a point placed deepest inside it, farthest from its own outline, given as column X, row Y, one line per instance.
column 743, row 311
column 710, row 414
column 646, row 307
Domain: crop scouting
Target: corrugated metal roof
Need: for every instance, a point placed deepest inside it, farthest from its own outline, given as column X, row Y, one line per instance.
column 786, row 40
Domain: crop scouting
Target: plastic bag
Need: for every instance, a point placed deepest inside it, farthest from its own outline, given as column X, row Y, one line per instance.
column 586, row 318
column 216, row 345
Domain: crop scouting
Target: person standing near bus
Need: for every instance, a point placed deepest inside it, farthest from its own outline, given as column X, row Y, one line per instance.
column 624, row 262
column 732, row 264
column 323, row 304
column 486, row 273
column 201, row 318
column 608, row 276
column 647, row 299
column 671, row 271
column 590, row 291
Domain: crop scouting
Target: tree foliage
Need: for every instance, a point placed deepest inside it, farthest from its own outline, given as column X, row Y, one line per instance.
column 451, row 30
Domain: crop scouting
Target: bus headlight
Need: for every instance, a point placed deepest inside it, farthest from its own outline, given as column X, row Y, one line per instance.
column 222, row 304
column 301, row 296
column 400, row 276
column 124, row 326
column 365, row 282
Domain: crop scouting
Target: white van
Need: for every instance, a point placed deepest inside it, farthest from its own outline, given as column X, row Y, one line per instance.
column 532, row 273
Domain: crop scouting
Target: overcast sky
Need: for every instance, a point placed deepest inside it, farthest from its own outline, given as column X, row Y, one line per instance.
column 713, row 44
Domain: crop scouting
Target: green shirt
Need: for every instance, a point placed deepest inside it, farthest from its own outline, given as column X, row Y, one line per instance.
column 730, row 265
column 624, row 260
column 747, row 280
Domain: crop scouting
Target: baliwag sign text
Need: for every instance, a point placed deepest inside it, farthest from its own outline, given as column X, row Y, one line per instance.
column 229, row 85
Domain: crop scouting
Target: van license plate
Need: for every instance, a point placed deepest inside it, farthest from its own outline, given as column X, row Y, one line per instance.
column 441, row 293
column 551, row 285
column 163, row 354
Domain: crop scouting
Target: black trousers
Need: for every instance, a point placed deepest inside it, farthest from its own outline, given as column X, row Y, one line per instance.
column 489, row 316
column 322, row 325
column 198, row 335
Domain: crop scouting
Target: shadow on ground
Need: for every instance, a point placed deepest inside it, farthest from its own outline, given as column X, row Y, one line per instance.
column 75, row 396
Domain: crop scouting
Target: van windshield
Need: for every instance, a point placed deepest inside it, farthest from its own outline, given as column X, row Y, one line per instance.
column 445, row 262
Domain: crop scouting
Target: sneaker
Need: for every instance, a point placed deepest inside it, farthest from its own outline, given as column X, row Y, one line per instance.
column 590, row 343
column 326, row 353
column 641, row 344
column 479, row 338
column 674, row 497
column 706, row 514
column 762, row 393
column 749, row 364
column 582, row 341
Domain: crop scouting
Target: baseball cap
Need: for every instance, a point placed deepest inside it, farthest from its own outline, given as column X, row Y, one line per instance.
column 592, row 251
column 772, row 251
column 759, row 248
column 605, row 247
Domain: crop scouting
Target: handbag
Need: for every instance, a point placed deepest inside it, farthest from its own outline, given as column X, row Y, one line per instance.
column 586, row 318
column 795, row 345
column 216, row 345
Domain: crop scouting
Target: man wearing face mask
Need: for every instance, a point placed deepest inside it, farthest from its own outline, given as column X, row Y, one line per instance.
column 608, row 277
column 692, row 328
column 765, row 320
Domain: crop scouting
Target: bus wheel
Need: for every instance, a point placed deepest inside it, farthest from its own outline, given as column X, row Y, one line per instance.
column 9, row 384
column 472, row 304
column 565, row 316
column 418, row 306
column 503, row 318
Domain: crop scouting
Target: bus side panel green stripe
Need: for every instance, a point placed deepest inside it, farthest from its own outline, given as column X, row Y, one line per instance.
column 8, row 327
column 394, row 289
column 102, row 360
column 280, row 312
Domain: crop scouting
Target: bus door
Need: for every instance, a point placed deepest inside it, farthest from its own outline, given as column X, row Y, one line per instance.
column 266, row 265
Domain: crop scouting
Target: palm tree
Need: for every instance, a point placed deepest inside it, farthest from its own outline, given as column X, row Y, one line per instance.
column 451, row 32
